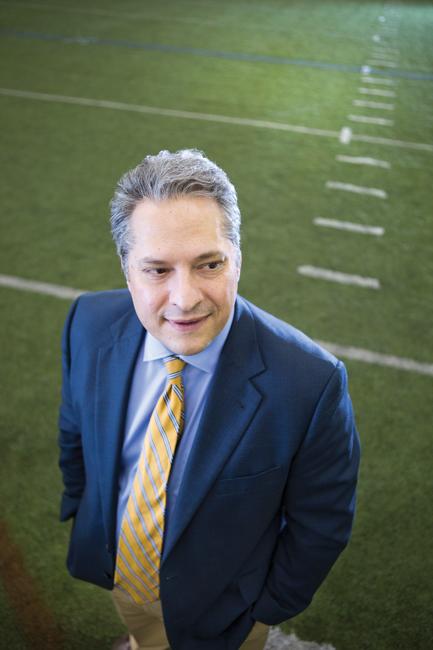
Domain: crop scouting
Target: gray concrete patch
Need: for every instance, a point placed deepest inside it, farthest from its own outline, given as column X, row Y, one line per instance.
column 277, row 640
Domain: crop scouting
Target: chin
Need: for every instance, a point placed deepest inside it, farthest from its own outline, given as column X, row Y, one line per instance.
column 188, row 348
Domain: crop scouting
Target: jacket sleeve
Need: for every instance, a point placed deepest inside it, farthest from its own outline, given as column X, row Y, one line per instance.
column 319, row 506
column 71, row 455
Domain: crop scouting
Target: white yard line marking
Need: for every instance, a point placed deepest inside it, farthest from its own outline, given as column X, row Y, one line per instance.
column 377, row 231
column 382, row 64
column 39, row 287
column 264, row 124
column 336, row 276
column 377, row 91
column 357, row 189
column 378, row 80
column 364, row 103
column 387, row 360
column 349, row 352
column 376, row 38
column 372, row 139
column 362, row 160
column 365, row 69
column 168, row 112
column 345, row 135
column 384, row 55
column 277, row 640
column 381, row 121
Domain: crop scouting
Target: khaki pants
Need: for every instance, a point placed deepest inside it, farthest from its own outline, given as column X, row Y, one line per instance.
column 146, row 628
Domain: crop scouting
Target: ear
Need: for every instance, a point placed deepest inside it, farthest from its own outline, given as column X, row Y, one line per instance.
column 239, row 264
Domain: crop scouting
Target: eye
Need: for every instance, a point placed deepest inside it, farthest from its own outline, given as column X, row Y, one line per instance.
column 155, row 272
column 214, row 265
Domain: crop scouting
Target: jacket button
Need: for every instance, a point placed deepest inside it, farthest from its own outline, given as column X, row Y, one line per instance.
column 108, row 575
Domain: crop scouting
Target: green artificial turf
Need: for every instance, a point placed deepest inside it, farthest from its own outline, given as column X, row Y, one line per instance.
column 59, row 165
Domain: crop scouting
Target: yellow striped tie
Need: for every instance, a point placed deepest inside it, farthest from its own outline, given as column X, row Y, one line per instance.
column 142, row 530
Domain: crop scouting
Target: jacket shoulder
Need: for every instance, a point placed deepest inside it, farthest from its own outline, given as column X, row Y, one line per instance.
column 283, row 344
column 93, row 315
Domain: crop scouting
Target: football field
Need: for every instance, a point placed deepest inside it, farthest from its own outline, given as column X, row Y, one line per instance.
column 321, row 112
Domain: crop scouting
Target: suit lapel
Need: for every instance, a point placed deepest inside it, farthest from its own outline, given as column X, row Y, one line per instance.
column 114, row 373
column 232, row 403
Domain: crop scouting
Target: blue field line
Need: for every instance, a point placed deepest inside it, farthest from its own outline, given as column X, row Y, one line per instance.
column 233, row 56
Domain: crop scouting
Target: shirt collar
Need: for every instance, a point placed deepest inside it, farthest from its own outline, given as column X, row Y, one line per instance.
column 205, row 360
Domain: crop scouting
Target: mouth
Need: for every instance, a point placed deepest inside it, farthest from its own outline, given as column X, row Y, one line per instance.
column 186, row 325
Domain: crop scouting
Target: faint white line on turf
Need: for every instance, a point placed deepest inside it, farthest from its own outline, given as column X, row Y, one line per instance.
column 378, row 80
column 380, row 121
column 364, row 103
column 377, row 91
column 382, row 64
column 365, row 69
column 95, row 103
column 345, row 135
column 376, row 38
column 393, row 143
column 367, row 356
column 13, row 282
column 381, row 19
column 168, row 112
column 336, row 276
column 363, row 160
column 277, row 640
column 377, row 231
column 357, row 189
column 349, row 352
column 384, row 55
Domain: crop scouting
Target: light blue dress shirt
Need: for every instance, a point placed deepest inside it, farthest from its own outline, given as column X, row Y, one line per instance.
column 147, row 385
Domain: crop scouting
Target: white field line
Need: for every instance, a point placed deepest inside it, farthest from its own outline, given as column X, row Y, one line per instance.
column 363, row 160
column 345, row 135
column 384, row 55
column 382, row 64
column 365, row 69
column 384, row 81
column 357, row 189
column 277, row 640
column 385, row 52
column 376, row 38
column 336, row 276
column 168, row 112
column 364, row 103
column 380, row 121
column 387, row 360
column 39, row 287
column 377, row 91
column 349, row 352
column 393, row 143
column 264, row 124
column 377, row 231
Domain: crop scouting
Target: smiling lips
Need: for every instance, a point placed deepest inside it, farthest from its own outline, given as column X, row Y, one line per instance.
column 187, row 325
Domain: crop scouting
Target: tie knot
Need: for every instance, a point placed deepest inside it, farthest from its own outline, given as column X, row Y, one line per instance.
column 173, row 366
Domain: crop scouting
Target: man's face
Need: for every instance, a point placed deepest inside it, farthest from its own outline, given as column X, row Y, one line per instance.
column 182, row 272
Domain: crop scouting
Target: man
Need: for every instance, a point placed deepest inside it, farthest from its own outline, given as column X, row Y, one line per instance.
column 208, row 450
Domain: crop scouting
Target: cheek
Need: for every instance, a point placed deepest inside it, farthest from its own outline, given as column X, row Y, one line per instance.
column 154, row 299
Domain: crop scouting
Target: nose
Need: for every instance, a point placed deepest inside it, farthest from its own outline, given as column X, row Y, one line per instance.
column 184, row 291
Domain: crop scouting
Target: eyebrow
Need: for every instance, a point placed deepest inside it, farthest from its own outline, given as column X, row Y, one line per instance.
column 199, row 258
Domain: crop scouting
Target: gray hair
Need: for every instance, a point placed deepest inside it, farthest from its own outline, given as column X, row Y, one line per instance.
column 171, row 175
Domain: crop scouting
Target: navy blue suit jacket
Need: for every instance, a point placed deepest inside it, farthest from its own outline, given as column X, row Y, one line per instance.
column 268, row 495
